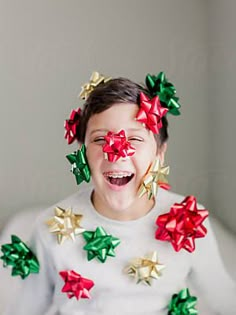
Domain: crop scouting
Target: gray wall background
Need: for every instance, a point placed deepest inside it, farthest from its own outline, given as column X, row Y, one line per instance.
column 49, row 48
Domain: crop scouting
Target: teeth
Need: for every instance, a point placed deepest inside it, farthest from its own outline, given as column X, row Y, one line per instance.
column 118, row 175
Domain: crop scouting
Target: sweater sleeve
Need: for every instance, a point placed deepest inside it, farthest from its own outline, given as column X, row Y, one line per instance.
column 35, row 294
column 209, row 276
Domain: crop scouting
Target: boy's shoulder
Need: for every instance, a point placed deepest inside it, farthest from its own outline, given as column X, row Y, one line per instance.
column 77, row 202
column 168, row 198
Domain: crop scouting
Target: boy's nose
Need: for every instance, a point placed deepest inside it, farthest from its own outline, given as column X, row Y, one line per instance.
column 117, row 146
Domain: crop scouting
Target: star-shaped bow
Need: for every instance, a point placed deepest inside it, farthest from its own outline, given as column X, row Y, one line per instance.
column 156, row 176
column 18, row 255
column 100, row 244
column 117, row 146
column 151, row 112
column 159, row 86
column 182, row 224
column 80, row 167
column 71, row 125
column 95, row 80
column 146, row 268
column 65, row 224
column 75, row 285
column 182, row 304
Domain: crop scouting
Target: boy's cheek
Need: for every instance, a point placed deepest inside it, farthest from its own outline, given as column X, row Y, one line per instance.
column 94, row 152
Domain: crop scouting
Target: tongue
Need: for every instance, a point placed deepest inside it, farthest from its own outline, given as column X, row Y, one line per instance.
column 119, row 181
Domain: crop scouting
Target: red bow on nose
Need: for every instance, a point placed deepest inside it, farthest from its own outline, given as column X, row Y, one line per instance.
column 117, row 146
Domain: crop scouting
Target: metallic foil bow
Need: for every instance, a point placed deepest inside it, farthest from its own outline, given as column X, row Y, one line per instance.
column 95, row 80
column 156, row 176
column 158, row 85
column 18, row 255
column 75, row 285
column 71, row 125
column 65, row 224
column 100, row 244
column 145, row 269
column 182, row 224
column 182, row 304
column 117, row 146
column 80, row 167
column 151, row 112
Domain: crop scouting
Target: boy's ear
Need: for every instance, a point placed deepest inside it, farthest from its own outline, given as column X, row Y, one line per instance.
column 161, row 152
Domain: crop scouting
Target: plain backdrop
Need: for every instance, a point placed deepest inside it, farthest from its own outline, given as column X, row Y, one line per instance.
column 49, row 48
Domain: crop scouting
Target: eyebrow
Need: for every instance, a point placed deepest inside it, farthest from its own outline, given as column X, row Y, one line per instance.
column 128, row 130
column 98, row 130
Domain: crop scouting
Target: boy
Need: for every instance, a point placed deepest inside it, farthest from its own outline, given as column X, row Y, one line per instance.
column 121, row 262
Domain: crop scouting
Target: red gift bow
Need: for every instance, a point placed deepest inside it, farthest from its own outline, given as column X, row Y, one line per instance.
column 182, row 224
column 151, row 112
column 117, row 146
column 71, row 125
column 75, row 285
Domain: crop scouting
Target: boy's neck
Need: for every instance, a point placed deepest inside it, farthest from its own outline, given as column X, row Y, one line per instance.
column 137, row 210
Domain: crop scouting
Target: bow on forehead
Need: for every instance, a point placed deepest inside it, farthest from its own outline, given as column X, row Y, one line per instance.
column 151, row 112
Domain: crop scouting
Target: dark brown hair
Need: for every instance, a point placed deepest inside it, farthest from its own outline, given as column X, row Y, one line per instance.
column 105, row 95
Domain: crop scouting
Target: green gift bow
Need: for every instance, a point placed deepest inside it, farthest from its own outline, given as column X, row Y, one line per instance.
column 158, row 85
column 100, row 244
column 20, row 257
column 183, row 304
column 80, row 166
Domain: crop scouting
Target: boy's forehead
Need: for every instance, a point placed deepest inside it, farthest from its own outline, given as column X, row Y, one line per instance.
column 117, row 116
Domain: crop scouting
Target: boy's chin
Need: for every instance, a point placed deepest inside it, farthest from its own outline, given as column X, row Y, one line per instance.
column 127, row 207
column 120, row 204
column 115, row 204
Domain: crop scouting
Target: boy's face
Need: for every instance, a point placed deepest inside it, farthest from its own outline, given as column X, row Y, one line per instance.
column 116, row 184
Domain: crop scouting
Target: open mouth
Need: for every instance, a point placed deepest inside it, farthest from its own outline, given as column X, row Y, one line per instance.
column 118, row 179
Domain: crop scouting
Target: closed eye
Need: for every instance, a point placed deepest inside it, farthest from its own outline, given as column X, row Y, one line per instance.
column 99, row 140
column 135, row 139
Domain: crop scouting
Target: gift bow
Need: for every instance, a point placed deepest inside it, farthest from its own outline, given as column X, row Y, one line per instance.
column 18, row 255
column 182, row 224
column 71, row 125
column 94, row 81
column 117, row 146
column 156, row 176
column 146, row 268
column 80, row 167
column 65, row 224
column 100, row 244
column 75, row 285
column 158, row 85
column 182, row 304
column 151, row 112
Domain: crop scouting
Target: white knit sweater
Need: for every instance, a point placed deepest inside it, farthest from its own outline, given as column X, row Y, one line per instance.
column 115, row 292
